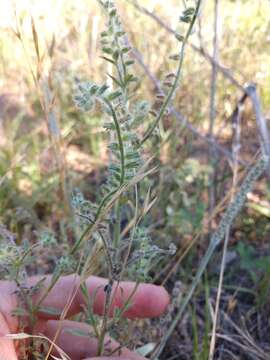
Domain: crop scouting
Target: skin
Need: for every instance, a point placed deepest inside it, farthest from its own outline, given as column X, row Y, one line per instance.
column 148, row 301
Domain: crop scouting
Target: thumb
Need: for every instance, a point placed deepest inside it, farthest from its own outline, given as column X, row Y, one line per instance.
column 7, row 349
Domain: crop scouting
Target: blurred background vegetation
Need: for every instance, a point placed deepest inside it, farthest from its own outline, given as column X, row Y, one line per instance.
column 47, row 147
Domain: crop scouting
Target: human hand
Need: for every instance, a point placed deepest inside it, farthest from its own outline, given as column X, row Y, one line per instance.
column 148, row 301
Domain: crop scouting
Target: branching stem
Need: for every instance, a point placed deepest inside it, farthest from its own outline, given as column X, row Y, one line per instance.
column 172, row 90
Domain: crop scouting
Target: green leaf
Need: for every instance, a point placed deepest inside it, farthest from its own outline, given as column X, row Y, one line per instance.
column 104, row 34
column 129, row 77
column 116, row 179
column 108, row 59
column 125, row 50
column 129, row 137
column 107, row 50
column 132, row 164
column 114, row 95
column 94, row 89
column 50, row 310
column 114, row 183
column 115, row 168
column 113, row 146
column 112, row 13
column 102, row 89
column 109, row 126
column 132, row 156
column 129, row 62
column 115, row 80
column 19, row 312
column 120, row 33
column 116, row 55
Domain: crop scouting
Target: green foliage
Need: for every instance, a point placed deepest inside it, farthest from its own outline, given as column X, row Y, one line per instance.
column 124, row 119
column 185, row 209
column 258, row 268
column 146, row 255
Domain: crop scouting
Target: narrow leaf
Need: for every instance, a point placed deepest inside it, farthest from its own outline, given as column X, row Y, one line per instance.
column 78, row 332
column 115, row 80
column 108, row 59
column 35, row 37
column 50, row 310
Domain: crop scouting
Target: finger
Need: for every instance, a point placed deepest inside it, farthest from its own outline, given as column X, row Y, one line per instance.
column 8, row 303
column 149, row 300
column 79, row 347
column 7, row 349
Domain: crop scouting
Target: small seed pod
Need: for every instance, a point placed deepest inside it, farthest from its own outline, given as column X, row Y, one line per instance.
column 179, row 37
column 117, row 268
column 174, row 57
column 160, row 96
column 186, row 19
column 167, row 83
column 170, row 76
column 153, row 113
column 189, row 11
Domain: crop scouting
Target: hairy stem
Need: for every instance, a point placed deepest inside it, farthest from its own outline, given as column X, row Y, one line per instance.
column 177, row 77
